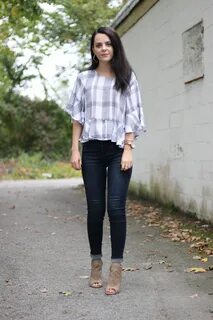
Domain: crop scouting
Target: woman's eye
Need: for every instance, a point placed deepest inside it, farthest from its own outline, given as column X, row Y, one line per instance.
column 99, row 45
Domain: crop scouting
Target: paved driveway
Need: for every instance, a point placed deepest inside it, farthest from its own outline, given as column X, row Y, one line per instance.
column 44, row 263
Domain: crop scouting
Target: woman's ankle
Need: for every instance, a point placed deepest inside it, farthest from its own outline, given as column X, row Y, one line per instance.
column 117, row 260
column 96, row 256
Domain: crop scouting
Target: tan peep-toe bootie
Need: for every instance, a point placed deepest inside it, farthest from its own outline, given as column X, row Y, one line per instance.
column 95, row 280
column 114, row 280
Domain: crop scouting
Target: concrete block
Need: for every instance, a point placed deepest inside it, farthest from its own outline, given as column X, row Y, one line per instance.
column 176, row 119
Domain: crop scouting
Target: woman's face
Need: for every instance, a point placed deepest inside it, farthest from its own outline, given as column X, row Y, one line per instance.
column 103, row 48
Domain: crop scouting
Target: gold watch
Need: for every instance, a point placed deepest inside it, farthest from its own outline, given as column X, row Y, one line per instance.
column 129, row 143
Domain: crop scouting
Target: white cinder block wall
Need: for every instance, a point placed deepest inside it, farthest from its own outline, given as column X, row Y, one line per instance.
column 175, row 157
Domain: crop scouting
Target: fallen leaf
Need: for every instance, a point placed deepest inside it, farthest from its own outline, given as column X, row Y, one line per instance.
column 194, row 295
column 44, row 290
column 65, row 293
column 199, row 245
column 130, row 269
column 204, row 259
column 194, row 238
column 64, row 311
column 168, row 265
column 196, row 270
column 209, row 252
column 197, row 257
column 8, row 282
column 27, row 228
column 84, row 277
column 147, row 266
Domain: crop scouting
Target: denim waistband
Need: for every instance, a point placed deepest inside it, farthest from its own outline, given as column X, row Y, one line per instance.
column 100, row 142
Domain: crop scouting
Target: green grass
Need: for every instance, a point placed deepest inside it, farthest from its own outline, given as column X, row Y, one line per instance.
column 35, row 167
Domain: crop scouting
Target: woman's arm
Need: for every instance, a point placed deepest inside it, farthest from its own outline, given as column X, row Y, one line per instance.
column 127, row 159
column 75, row 153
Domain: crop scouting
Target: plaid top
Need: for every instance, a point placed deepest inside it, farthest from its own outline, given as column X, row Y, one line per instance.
column 104, row 112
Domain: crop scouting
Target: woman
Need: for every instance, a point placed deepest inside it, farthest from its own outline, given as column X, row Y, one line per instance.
column 105, row 106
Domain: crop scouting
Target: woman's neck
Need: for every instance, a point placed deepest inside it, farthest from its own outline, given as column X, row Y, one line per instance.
column 105, row 69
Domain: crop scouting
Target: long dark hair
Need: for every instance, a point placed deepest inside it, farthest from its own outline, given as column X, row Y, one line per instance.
column 119, row 62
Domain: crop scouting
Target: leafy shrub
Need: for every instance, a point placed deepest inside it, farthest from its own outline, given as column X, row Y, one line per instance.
column 33, row 126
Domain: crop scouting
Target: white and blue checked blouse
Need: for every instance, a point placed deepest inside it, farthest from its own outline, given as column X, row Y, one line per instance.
column 104, row 112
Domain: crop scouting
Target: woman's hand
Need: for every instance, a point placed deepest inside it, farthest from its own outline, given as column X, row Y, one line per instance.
column 76, row 160
column 126, row 160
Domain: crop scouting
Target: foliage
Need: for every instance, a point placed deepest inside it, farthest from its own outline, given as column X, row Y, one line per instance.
column 35, row 167
column 13, row 74
column 40, row 25
column 18, row 19
column 75, row 21
column 43, row 25
column 33, row 126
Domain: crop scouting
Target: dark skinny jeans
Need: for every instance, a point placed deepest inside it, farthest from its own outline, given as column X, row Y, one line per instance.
column 101, row 167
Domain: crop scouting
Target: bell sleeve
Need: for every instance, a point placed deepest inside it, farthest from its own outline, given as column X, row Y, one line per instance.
column 134, row 117
column 75, row 107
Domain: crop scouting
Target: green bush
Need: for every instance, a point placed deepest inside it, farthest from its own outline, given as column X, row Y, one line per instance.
column 32, row 126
